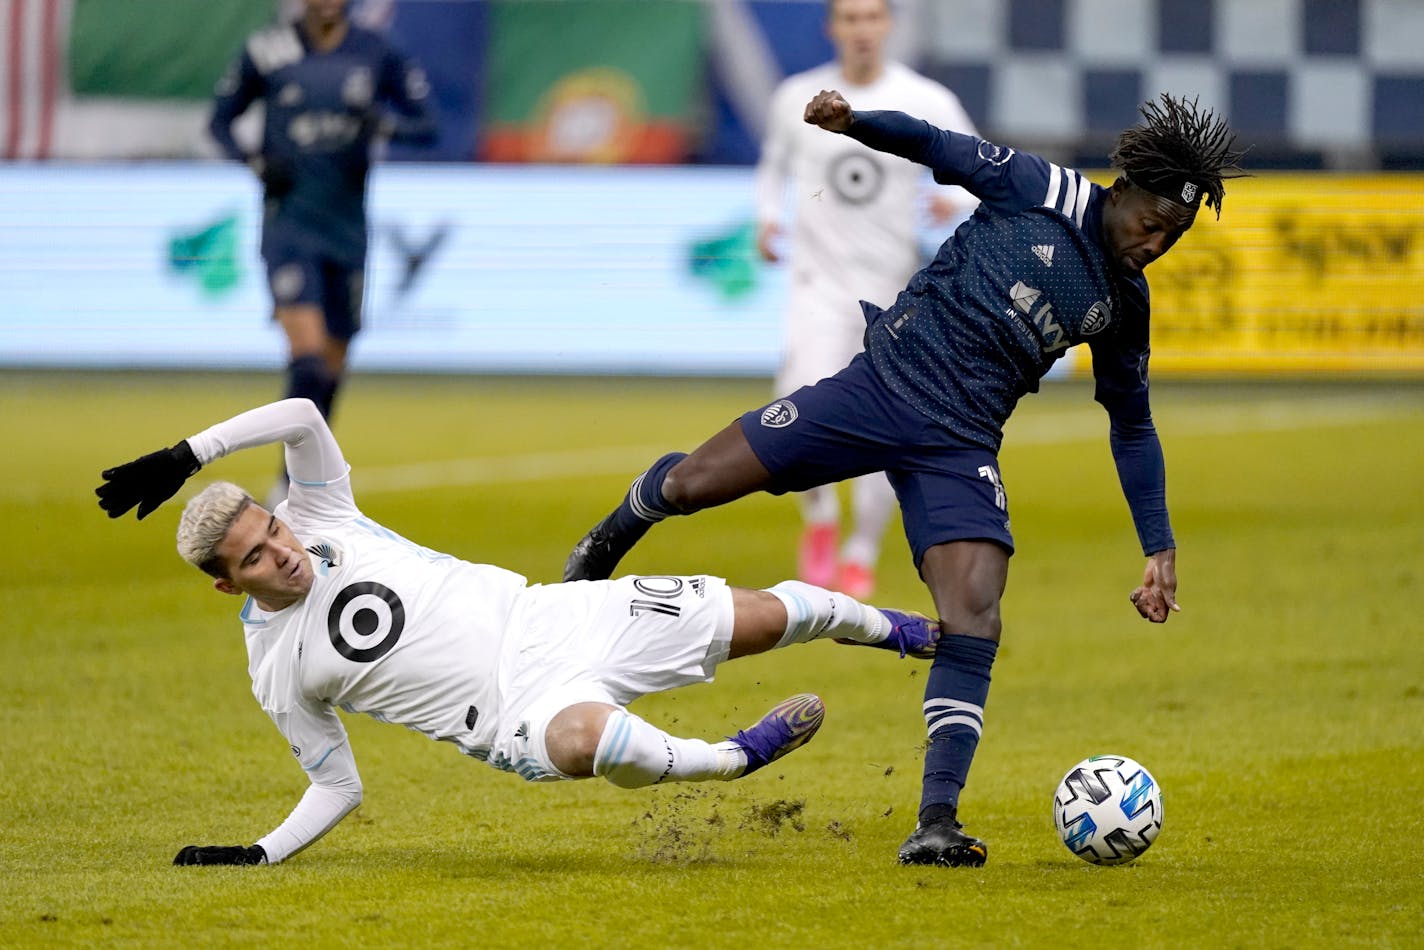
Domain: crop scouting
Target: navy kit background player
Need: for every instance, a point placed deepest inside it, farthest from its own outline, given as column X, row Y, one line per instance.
column 342, row 612
column 331, row 89
column 1049, row 260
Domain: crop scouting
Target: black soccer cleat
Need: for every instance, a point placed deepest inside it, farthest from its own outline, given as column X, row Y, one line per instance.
column 596, row 554
column 942, row 842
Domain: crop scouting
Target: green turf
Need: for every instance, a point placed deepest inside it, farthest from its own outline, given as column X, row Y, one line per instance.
column 1282, row 711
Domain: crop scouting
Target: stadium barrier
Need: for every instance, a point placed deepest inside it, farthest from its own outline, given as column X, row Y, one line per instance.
column 636, row 270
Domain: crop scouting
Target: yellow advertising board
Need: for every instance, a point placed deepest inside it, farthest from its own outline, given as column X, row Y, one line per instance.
column 1303, row 274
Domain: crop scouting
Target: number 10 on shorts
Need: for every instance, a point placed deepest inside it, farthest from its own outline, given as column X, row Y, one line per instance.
column 658, row 592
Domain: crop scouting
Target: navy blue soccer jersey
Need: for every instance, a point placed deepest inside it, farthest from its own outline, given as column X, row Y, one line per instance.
column 1018, row 284
column 1006, row 296
column 322, row 111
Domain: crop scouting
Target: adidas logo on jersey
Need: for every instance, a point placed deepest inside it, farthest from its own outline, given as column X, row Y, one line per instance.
column 699, row 586
column 1044, row 252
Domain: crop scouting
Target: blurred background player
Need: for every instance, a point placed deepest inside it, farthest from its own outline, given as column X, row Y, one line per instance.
column 854, row 237
column 343, row 612
column 331, row 90
column 1050, row 260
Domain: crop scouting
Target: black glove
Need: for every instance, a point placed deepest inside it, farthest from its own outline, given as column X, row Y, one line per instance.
column 148, row 481
column 276, row 173
column 219, row 854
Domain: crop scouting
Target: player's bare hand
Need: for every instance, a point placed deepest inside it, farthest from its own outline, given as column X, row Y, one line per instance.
column 767, row 236
column 1156, row 599
column 829, row 110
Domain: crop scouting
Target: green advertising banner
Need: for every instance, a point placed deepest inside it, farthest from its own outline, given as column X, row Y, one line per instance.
column 608, row 81
column 158, row 49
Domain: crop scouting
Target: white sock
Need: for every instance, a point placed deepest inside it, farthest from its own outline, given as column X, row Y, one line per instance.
column 633, row 753
column 813, row 613
column 872, row 505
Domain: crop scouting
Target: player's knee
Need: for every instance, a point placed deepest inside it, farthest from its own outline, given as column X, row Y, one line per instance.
column 685, row 486
column 972, row 614
column 572, row 739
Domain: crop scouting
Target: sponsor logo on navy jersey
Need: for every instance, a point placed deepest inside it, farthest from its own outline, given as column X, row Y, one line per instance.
column 1024, row 296
column 779, row 414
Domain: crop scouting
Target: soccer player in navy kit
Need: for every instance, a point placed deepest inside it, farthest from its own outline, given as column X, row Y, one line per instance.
column 1048, row 261
column 331, row 89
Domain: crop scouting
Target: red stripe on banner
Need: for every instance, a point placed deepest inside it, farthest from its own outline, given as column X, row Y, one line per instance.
column 49, row 77
column 16, row 77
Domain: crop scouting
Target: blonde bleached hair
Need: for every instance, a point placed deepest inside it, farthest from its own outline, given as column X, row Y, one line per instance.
column 205, row 522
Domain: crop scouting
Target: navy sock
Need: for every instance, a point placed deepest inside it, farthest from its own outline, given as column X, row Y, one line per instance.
column 644, row 505
column 954, row 714
column 307, row 378
column 328, row 396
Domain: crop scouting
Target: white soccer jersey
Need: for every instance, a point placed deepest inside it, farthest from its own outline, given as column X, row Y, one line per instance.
column 856, row 210
column 389, row 628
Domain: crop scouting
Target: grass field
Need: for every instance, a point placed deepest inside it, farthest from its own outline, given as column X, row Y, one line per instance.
column 1282, row 711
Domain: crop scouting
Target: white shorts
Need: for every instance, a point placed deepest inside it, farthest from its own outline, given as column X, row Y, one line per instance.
column 824, row 326
column 603, row 642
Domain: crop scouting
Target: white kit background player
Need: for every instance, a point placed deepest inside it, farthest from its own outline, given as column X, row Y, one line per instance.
column 855, row 235
column 342, row 612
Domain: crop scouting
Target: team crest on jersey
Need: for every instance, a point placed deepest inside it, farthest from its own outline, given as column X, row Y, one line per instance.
column 779, row 414
column 1189, row 191
column 995, row 154
column 325, row 551
column 1024, row 296
column 1099, row 315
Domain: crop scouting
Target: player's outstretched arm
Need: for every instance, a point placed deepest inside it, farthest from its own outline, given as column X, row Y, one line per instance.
column 147, row 482
column 1156, row 598
column 334, row 792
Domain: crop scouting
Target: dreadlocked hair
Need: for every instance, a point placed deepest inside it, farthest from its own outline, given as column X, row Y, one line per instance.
column 1180, row 140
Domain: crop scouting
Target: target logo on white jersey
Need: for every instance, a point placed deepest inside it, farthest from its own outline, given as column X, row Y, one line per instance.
column 856, row 177
column 779, row 414
column 365, row 621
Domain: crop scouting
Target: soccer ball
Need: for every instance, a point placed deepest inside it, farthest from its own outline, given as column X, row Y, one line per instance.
column 1108, row 809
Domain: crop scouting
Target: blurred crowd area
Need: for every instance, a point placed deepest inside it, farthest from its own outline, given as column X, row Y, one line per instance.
column 1313, row 84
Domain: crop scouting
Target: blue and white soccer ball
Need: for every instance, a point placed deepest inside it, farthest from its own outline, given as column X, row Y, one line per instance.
column 1108, row 809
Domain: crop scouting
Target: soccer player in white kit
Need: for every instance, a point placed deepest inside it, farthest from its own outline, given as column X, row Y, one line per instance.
column 343, row 613
column 854, row 237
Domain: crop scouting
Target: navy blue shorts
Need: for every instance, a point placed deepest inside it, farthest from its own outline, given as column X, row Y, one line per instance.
column 851, row 424
column 297, row 276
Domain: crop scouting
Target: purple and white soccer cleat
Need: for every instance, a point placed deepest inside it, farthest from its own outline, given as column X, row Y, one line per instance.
column 788, row 726
column 911, row 633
